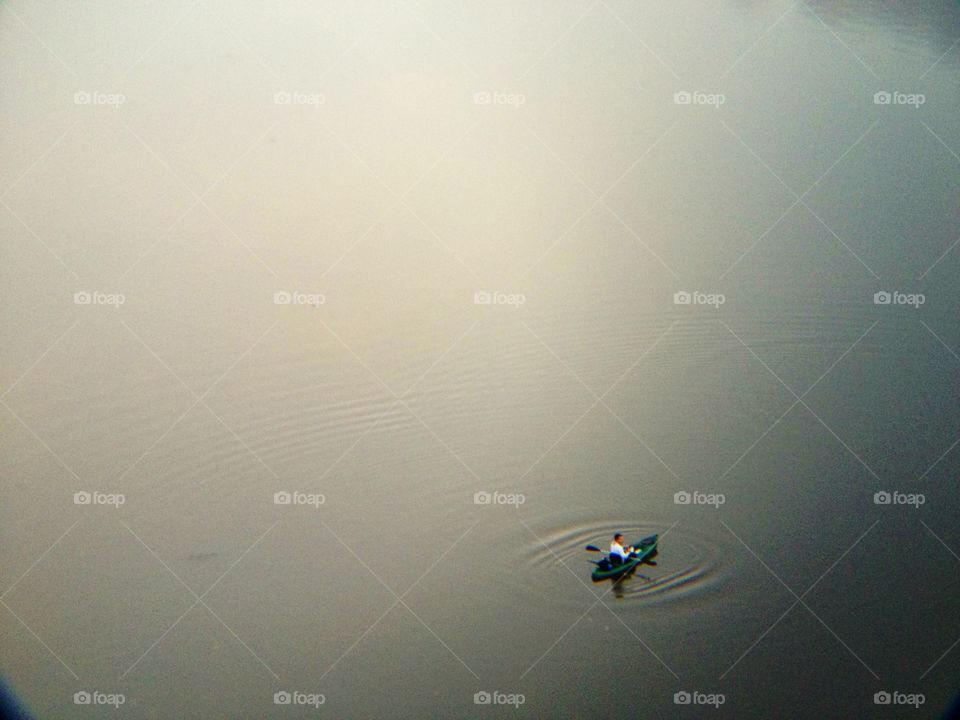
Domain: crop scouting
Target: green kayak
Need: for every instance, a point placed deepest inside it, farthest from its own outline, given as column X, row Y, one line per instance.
column 606, row 570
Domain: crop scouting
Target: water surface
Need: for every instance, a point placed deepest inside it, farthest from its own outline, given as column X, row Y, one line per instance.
column 386, row 168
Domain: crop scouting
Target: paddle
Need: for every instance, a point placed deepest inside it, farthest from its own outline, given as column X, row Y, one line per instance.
column 592, row 548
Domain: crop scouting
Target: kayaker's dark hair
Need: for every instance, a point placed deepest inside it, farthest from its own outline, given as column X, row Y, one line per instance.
column 617, row 535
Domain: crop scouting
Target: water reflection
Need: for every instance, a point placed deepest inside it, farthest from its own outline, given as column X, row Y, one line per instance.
column 632, row 576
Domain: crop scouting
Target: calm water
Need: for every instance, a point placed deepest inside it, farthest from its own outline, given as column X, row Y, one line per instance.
column 424, row 265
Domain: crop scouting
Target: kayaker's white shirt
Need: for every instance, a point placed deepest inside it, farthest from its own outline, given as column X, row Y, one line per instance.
column 618, row 549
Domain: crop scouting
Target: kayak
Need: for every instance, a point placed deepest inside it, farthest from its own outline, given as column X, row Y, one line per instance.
column 606, row 570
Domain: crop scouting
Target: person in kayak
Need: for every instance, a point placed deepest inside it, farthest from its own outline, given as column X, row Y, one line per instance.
column 618, row 553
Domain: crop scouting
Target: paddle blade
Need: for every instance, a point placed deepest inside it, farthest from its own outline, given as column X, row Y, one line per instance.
column 591, row 548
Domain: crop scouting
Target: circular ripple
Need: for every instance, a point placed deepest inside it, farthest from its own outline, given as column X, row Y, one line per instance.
column 689, row 561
